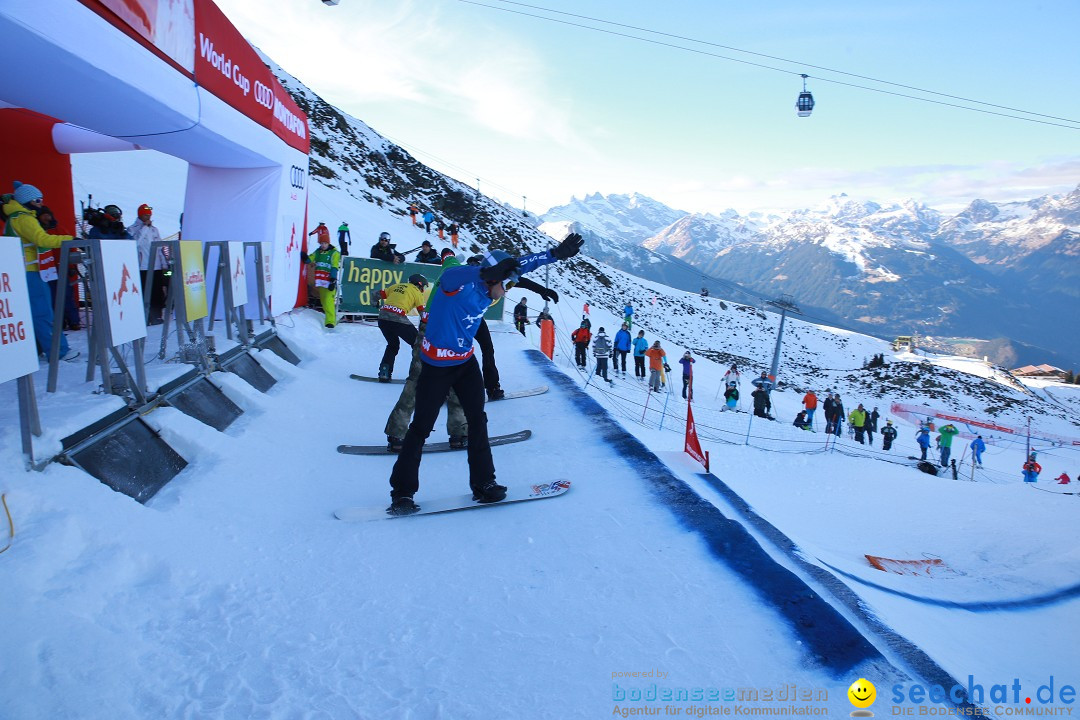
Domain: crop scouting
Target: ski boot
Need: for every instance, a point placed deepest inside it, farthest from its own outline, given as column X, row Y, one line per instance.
column 393, row 444
column 496, row 394
column 402, row 506
column 490, row 492
column 384, row 374
column 458, row 442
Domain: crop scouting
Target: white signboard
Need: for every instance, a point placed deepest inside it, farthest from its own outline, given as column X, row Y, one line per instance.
column 237, row 274
column 18, row 349
column 123, row 291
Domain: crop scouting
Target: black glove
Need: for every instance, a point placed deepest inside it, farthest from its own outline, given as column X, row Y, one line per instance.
column 304, row 258
column 667, row 368
column 550, row 294
column 499, row 272
column 569, row 247
column 333, row 285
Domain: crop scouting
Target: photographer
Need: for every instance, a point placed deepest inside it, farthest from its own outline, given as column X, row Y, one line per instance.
column 106, row 223
column 144, row 233
column 384, row 251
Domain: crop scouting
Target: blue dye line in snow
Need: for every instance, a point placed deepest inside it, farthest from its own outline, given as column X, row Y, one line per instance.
column 828, row 636
column 835, row 643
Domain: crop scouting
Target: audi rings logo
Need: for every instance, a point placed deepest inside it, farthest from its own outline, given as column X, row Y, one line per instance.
column 297, row 175
column 264, row 95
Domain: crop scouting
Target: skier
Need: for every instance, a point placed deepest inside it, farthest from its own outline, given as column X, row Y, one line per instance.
column 923, row 438
column 763, row 382
column 977, row 448
column 945, row 436
column 521, row 316
column 440, row 226
column 601, row 351
column 427, row 254
column 731, row 395
column 400, row 300
column 447, row 363
column 628, row 315
column 732, row 375
column 871, row 425
column 809, row 402
column 640, row 346
column 398, row 422
column 802, row 421
column 326, row 261
column 657, row 358
column 687, row 363
column 857, row 418
column 581, row 338
column 413, row 210
column 453, row 230
column 1031, row 469
column 621, row 348
column 343, row 238
column 888, row 434
column 1063, row 478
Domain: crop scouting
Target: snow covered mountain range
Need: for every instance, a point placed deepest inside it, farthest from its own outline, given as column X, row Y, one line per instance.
column 990, row 271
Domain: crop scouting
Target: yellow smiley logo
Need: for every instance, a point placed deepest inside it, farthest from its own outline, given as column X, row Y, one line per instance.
column 862, row 693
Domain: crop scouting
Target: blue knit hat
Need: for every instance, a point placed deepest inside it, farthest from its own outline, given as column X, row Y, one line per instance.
column 26, row 193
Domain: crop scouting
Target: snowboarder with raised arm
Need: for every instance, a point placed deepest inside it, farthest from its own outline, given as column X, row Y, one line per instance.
column 447, row 362
column 945, row 436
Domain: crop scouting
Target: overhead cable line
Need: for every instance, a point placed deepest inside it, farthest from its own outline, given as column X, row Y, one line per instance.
column 1075, row 126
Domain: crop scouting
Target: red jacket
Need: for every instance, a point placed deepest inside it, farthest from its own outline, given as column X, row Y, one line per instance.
column 810, row 401
column 581, row 335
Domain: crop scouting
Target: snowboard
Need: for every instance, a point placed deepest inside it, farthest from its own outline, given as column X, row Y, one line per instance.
column 514, row 493
column 365, row 378
column 523, row 393
column 432, row 447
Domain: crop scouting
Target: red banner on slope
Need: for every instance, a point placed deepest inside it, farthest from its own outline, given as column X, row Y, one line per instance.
column 693, row 446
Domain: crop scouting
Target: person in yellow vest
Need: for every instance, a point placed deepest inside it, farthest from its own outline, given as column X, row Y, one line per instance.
column 20, row 210
column 400, row 300
column 857, row 418
column 326, row 260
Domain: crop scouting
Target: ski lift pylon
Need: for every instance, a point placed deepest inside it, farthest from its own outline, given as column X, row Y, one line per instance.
column 805, row 104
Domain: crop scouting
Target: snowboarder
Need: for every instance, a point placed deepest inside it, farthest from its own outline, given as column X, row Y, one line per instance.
column 343, row 238
column 809, row 402
column 447, row 363
column 640, row 346
column 1032, row 469
column 657, row 358
column 521, row 316
column 945, row 437
column 687, row 363
column 400, row 300
column 888, row 434
column 977, row 449
column 923, row 438
column 326, row 260
column 581, row 338
column 601, row 351
column 621, row 348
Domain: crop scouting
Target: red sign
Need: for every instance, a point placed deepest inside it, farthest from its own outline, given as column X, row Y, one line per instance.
column 693, row 445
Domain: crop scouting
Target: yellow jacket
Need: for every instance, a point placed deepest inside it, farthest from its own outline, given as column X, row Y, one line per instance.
column 401, row 299
column 23, row 223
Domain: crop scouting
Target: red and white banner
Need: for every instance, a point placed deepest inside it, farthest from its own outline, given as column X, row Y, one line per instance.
column 693, row 445
column 238, row 274
column 916, row 414
column 18, row 349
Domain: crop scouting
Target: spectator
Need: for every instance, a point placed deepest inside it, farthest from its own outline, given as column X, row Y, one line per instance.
column 687, row 363
column 453, row 229
column 413, row 211
column 802, row 421
column 809, row 402
column 857, row 418
column 602, row 351
column 429, row 217
column 326, row 260
column 945, row 438
column 762, row 404
column 441, row 227
column 144, row 232
column 829, row 408
column 628, row 315
column 640, row 346
column 343, row 238
column 383, row 250
column 657, row 362
column 1031, row 469
column 47, row 268
column 521, row 316
column 581, row 338
column 977, row 449
column 922, row 436
column 20, row 211
column 321, row 232
column 111, row 225
column 428, row 254
column 732, row 375
column 621, row 348
column 888, row 434
column 838, row 419
column 731, row 396
column 871, row 425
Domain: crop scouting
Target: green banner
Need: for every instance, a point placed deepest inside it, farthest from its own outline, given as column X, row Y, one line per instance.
column 359, row 278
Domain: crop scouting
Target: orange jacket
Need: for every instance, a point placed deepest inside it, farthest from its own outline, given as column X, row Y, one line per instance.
column 581, row 335
column 656, row 358
column 810, row 401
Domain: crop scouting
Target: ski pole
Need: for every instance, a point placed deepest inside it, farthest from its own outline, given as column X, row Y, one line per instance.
column 748, row 424
column 663, row 412
column 648, row 397
column 588, row 379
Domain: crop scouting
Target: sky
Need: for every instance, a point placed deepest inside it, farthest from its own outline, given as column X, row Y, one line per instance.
column 538, row 111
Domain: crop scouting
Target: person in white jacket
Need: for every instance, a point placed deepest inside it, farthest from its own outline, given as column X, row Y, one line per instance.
column 144, row 233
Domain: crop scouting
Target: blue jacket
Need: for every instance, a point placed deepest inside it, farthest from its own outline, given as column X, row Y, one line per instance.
column 978, row 445
column 622, row 340
column 923, row 438
column 462, row 301
column 628, row 311
column 687, row 366
column 429, row 217
column 640, row 346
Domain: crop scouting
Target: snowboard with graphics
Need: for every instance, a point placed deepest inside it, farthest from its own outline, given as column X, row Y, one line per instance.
column 514, row 494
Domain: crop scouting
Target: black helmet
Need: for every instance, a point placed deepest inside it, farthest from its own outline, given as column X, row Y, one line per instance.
column 475, row 260
column 384, row 236
column 113, row 211
column 418, row 280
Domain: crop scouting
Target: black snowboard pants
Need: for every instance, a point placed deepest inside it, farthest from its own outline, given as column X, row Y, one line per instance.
column 395, row 332
column 487, row 355
column 432, row 388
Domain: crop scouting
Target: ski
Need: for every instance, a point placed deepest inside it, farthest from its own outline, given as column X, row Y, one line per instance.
column 514, row 494
column 523, row 393
column 432, row 447
column 365, row 378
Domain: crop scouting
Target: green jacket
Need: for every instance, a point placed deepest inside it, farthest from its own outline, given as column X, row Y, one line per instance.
column 947, row 433
column 857, row 418
column 326, row 263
